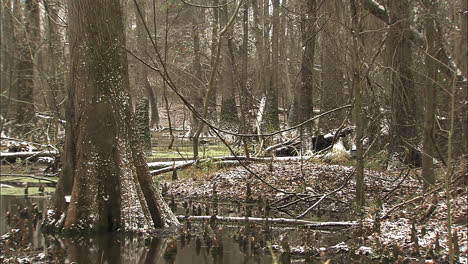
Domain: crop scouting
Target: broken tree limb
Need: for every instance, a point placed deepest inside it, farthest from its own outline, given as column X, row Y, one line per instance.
column 309, row 224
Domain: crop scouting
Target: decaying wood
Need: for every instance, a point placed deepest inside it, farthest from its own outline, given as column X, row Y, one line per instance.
column 309, row 224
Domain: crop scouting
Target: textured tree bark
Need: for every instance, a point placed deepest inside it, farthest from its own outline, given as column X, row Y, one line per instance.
column 104, row 167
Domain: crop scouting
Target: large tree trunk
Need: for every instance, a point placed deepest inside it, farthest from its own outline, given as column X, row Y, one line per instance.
column 104, row 168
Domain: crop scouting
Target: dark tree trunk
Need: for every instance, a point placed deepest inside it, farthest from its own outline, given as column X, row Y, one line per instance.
column 271, row 117
column 228, row 115
column 25, row 67
column 303, row 101
column 105, row 171
column 6, row 57
column 403, row 94
column 143, row 88
column 430, row 95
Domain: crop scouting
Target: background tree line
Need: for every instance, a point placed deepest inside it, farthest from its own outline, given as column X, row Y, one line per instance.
column 399, row 63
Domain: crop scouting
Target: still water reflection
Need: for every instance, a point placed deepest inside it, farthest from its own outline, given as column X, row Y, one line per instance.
column 24, row 213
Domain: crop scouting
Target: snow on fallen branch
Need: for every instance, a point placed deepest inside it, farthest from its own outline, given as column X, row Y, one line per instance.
column 27, row 154
column 308, row 224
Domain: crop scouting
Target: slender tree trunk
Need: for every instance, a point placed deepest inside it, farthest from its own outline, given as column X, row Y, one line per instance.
column 304, row 99
column 429, row 96
column 245, row 99
column 357, row 88
column 199, row 89
column 55, row 67
column 228, row 115
column 105, row 171
column 271, row 117
column 143, row 88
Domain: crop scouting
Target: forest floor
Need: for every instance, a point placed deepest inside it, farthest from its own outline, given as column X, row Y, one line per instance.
column 400, row 224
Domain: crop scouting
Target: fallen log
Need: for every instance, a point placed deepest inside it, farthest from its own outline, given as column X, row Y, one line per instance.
column 28, row 154
column 29, row 176
column 167, row 166
column 308, row 224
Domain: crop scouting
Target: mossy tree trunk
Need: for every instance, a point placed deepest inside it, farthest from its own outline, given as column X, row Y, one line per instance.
column 104, row 169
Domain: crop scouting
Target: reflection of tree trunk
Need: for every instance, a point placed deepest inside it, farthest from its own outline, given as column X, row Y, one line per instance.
column 156, row 251
column 104, row 166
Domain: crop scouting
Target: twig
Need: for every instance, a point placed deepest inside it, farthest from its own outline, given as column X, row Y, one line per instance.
column 327, row 194
column 398, row 185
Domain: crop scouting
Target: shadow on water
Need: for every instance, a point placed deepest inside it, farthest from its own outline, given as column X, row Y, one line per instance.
column 204, row 243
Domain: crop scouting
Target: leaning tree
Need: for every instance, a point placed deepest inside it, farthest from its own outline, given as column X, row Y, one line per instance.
column 105, row 183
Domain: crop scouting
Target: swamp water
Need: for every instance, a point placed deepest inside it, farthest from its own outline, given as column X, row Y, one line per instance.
column 225, row 243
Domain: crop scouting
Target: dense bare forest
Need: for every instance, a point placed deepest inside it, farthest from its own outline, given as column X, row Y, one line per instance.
column 343, row 115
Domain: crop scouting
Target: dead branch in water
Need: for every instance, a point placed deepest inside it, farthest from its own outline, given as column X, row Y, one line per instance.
column 309, row 224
